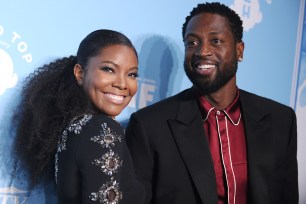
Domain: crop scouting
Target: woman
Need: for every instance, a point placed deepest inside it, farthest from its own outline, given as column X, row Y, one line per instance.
column 67, row 117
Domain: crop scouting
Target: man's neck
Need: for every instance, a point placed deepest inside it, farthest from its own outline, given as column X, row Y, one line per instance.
column 223, row 97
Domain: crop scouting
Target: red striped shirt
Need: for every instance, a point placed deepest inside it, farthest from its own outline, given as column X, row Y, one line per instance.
column 226, row 137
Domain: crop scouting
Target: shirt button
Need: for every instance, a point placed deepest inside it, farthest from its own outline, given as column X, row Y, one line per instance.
column 218, row 112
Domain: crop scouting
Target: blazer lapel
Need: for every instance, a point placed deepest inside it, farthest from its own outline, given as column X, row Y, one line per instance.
column 188, row 132
column 259, row 148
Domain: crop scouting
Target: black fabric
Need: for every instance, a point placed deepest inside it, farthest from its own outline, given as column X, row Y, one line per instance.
column 78, row 177
column 172, row 157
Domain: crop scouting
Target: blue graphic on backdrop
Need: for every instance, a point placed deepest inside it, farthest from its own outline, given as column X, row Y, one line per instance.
column 159, row 63
column 8, row 79
column 249, row 11
column 13, row 195
column 10, row 44
column 15, row 61
column 300, row 108
column 160, row 72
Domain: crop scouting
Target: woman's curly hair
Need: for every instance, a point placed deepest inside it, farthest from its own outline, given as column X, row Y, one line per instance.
column 50, row 99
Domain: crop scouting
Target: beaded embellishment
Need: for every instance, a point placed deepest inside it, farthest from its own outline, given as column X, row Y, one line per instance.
column 109, row 163
column 106, row 138
column 109, row 193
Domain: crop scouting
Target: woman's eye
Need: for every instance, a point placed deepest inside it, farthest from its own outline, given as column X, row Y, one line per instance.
column 107, row 69
column 134, row 75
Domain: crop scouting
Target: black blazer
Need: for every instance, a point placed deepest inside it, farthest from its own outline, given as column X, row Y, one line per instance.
column 172, row 157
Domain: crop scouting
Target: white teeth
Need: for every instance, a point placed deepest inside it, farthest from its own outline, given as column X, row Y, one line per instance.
column 206, row 66
column 115, row 97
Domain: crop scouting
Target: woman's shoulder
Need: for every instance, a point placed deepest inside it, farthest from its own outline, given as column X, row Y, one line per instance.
column 91, row 127
column 93, row 122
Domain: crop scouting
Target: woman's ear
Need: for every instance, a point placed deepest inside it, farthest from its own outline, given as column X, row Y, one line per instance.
column 78, row 73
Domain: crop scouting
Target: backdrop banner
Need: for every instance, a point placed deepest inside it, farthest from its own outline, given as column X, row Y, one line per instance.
column 298, row 101
column 33, row 33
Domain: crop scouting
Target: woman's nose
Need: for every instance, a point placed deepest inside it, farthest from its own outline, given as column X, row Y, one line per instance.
column 120, row 82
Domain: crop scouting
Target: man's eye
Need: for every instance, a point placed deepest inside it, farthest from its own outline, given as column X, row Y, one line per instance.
column 216, row 41
column 191, row 43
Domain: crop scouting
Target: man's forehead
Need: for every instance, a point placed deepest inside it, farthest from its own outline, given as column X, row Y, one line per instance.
column 210, row 22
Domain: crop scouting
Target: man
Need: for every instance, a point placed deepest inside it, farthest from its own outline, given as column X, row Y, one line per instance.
column 215, row 143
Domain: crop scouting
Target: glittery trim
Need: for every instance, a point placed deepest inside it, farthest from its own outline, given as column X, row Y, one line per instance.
column 76, row 127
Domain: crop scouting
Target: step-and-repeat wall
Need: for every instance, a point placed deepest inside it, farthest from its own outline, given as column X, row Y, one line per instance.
column 33, row 33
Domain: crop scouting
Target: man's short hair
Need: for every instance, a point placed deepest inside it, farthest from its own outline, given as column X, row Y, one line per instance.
column 234, row 21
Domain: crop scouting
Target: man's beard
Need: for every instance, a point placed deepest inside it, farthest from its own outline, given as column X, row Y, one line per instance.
column 207, row 86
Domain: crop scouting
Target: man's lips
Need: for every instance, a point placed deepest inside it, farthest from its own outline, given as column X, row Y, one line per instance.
column 204, row 68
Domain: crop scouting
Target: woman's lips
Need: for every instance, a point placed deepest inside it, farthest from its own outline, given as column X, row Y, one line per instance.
column 117, row 99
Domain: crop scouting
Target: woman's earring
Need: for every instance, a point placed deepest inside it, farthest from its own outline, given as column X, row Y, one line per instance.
column 79, row 83
column 240, row 59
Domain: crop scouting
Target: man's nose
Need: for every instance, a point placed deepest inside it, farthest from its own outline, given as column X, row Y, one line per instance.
column 203, row 50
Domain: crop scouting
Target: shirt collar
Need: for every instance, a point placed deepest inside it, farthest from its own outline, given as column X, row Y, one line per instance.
column 232, row 111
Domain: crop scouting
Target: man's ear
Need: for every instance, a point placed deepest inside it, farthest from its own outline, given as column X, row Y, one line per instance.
column 240, row 49
column 78, row 73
